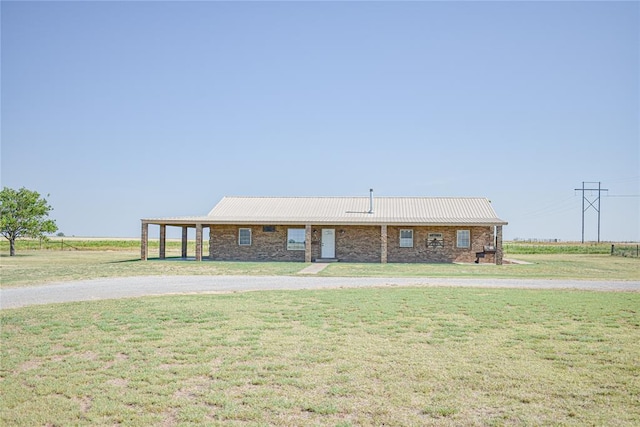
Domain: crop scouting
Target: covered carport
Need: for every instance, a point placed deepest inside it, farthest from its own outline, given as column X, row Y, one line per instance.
column 197, row 223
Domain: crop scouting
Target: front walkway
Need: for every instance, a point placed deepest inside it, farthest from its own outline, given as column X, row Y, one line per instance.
column 314, row 268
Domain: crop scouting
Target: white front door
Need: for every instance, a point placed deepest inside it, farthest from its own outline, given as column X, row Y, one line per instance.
column 328, row 243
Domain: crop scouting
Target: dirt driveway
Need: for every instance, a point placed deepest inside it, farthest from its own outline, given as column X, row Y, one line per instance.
column 128, row 287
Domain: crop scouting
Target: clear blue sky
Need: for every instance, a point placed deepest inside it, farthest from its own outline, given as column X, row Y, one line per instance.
column 125, row 110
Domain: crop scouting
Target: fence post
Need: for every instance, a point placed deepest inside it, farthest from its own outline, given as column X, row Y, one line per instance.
column 62, row 244
column 612, row 248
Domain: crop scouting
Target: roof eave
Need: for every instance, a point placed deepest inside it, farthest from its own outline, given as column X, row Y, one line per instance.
column 193, row 221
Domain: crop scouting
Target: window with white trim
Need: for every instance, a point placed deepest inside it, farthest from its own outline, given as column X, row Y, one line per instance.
column 406, row 238
column 463, row 239
column 296, row 238
column 244, row 236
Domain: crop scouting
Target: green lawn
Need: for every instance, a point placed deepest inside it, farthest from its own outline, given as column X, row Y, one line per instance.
column 37, row 267
column 350, row 357
column 541, row 266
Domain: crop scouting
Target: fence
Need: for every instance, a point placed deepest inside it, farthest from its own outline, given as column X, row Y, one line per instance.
column 631, row 251
column 88, row 244
column 41, row 244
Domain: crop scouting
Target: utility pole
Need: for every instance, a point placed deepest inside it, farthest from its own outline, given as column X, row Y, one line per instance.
column 592, row 203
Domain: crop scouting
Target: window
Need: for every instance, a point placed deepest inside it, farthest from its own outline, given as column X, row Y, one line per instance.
column 406, row 238
column 295, row 239
column 269, row 228
column 244, row 237
column 464, row 239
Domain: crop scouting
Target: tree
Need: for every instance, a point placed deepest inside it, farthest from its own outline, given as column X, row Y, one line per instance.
column 23, row 213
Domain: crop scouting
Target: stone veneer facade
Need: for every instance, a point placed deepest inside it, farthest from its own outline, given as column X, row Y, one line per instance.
column 353, row 244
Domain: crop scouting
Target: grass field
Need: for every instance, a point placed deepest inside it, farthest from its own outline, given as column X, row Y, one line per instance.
column 174, row 246
column 387, row 356
column 92, row 244
column 631, row 250
column 542, row 266
column 402, row 356
column 37, row 267
column 97, row 258
column 557, row 248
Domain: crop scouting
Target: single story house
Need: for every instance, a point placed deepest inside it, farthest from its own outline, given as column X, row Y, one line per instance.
column 348, row 229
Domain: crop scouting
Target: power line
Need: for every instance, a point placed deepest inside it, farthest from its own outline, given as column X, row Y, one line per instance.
column 591, row 203
column 624, row 180
column 553, row 208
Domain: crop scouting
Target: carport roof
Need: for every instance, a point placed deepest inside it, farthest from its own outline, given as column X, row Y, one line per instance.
column 344, row 211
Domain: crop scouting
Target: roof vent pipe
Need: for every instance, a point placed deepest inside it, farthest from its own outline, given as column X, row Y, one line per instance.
column 371, row 200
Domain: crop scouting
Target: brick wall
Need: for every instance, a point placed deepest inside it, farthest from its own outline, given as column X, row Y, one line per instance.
column 265, row 245
column 420, row 252
column 353, row 244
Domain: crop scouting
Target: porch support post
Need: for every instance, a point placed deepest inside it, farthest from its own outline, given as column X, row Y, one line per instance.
column 163, row 240
column 383, row 243
column 198, row 242
column 211, row 243
column 144, row 241
column 185, row 230
column 499, row 251
column 307, row 243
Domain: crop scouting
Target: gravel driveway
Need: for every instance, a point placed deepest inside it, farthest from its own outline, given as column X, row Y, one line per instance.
column 127, row 287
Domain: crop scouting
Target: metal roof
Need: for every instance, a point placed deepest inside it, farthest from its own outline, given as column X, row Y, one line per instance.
column 345, row 211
